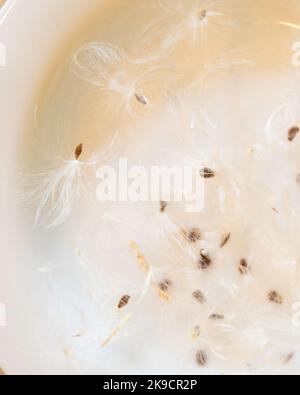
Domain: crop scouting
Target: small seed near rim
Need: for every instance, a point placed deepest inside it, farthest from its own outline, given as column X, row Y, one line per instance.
column 293, row 133
column 201, row 358
column 78, row 151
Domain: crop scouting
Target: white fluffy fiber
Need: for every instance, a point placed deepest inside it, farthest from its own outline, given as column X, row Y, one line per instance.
column 232, row 118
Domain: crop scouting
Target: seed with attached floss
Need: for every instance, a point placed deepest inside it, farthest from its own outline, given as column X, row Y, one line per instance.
column 78, row 151
column 163, row 206
column 198, row 295
column 204, row 261
column 224, row 239
column 216, row 317
column 243, row 266
column 287, row 358
column 201, row 358
column 202, row 14
column 275, row 297
column 196, row 332
column 123, row 301
column 194, row 235
column 141, row 99
column 207, row 173
column 293, row 133
column 164, row 285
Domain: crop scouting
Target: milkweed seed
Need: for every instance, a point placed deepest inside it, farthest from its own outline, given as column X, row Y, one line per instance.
column 78, row 151
column 287, row 358
column 123, row 301
column 201, row 358
column 293, row 133
column 243, row 266
column 194, row 235
column 224, row 239
column 164, row 285
column 207, row 173
column 204, row 261
column 216, row 317
column 163, row 206
column 198, row 295
column 275, row 297
column 141, row 99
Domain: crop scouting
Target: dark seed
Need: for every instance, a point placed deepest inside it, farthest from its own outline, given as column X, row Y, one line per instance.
column 207, row 173
column 141, row 99
column 198, row 295
column 164, row 285
column 287, row 358
column 274, row 297
column 78, row 151
column 293, row 133
column 163, row 206
column 202, row 14
column 201, row 358
column 204, row 261
column 123, row 301
column 216, row 317
column 224, row 240
column 194, row 235
column 243, row 266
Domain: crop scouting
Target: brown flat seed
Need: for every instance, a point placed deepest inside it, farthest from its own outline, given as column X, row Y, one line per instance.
column 78, row 151
column 196, row 332
column 141, row 99
column 204, row 261
column 198, row 295
column 243, row 266
column 163, row 206
column 287, row 358
column 216, row 317
column 207, row 173
column 164, row 285
column 123, row 301
column 2, row 373
column 224, row 239
column 293, row 133
column 202, row 14
column 194, row 235
column 201, row 358
column 275, row 297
